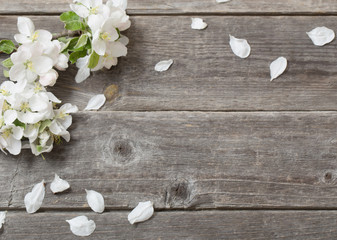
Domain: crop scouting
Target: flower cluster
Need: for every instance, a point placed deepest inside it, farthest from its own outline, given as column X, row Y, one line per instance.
column 28, row 111
column 100, row 42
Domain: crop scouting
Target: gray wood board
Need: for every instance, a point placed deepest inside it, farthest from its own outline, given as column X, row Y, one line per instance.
column 253, row 225
column 186, row 160
column 206, row 75
column 183, row 6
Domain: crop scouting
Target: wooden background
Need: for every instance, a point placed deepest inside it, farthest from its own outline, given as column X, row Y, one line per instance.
column 222, row 152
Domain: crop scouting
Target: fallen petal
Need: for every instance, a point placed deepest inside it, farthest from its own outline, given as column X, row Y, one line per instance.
column 33, row 200
column 81, row 226
column 222, row 1
column 141, row 213
column 198, row 23
column 59, row 185
column 163, row 65
column 321, row 36
column 277, row 67
column 240, row 47
column 95, row 102
column 95, row 201
column 2, row 218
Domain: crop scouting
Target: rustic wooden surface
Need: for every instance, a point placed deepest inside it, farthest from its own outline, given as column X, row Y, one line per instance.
column 222, row 152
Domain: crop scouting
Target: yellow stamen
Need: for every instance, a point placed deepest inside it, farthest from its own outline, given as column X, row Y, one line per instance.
column 25, row 107
column 105, row 36
column 35, row 36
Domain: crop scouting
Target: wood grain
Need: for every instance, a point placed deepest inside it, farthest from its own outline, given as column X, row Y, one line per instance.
column 183, row 6
column 186, row 160
column 206, row 75
column 253, row 225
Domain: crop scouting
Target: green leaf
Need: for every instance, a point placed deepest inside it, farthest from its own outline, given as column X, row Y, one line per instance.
column 82, row 41
column 6, row 73
column 69, row 45
column 93, row 60
column 7, row 46
column 74, row 26
column 7, row 63
column 63, row 39
column 44, row 125
column 76, row 55
column 19, row 124
column 69, row 16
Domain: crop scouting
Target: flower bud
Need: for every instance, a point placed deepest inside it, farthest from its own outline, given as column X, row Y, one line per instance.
column 49, row 79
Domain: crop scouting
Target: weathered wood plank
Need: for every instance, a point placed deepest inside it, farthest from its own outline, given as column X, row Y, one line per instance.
column 182, row 6
column 253, row 225
column 206, row 75
column 187, row 160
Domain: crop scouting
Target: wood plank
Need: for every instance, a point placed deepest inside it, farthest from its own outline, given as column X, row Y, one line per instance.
column 183, row 6
column 187, row 160
column 291, row 225
column 206, row 75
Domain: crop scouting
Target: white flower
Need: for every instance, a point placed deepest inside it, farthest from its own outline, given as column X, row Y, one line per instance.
column 53, row 50
column 10, row 139
column 85, row 8
column 43, row 143
column 49, row 78
column 28, row 34
column 29, row 63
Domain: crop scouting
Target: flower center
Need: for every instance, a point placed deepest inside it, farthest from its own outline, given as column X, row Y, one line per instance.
column 35, row 36
column 29, row 65
column 7, row 133
column 94, row 10
column 105, row 36
column 25, row 107
column 5, row 106
column 5, row 92
column 37, row 88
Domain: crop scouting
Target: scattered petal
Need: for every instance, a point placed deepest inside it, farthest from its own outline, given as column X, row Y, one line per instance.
column 33, row 200
column 321, row 36
column 222, row 1
column 81, row 226
column 240, row 47
column 95, row 201
column 198, row 24
column 163, row 65
column 141, row 213
column 277, row 67
column 95, row 102
column 2, row 218
column 59, row 185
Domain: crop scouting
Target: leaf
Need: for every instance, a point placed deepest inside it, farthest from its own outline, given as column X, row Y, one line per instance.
column 74, row 56
column 81, row 226
column 240, row 47
column 141, row 213
column 6, row 73
column 95, row 201
column 198, row 24
column 7, row 46
column 63, row 39
column 70, row 44
column 74, row 26
column 7, row 63
column 277, row 67
column 82, row 41
column 69, row 16
column 321, row 36
column 93, row 60
column 163, row 65
column 33, row 200
column 19, row 124
column 2, row 218
column 44, row 125
column 59, row 185
column 95, row 102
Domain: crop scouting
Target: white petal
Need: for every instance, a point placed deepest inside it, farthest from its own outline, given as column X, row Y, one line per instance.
column 14, row 146
column 17, row 132
column 163, row 65
column 118, row 3
column 198, row 23
column 321, row 36
column 124, row 40
column 96, row 102
column 42, row 64
column 277, row 67
column 59, row 185
column 2, row 218
column 82, row 74
column 240, row 47
column 25, row 26
column 49, row 78
column 80, row 10
column 95, row 22
column 222, row 1
column 141, row 213
column 81, row 226
column 33, row 200
column 95, row 201
column 99, row 46
column 44, row 35
column 53, row 98
column 69, row 108
column 10, row 116
column 22, row 38
column 117, row 49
